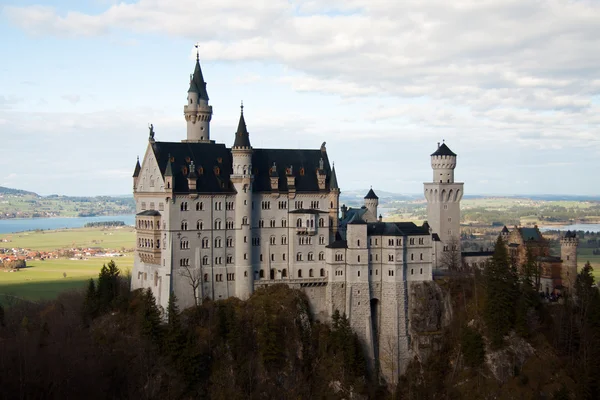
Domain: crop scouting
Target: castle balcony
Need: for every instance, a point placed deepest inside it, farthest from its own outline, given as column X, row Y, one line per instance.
column 301, row 282
column 303, row 230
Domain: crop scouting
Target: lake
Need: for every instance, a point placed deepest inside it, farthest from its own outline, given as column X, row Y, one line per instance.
column 573, row 227
column 31, row 224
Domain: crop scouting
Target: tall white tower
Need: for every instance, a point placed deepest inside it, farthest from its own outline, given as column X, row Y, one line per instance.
column 242, row 179
column 197, row 112
column 443, row 202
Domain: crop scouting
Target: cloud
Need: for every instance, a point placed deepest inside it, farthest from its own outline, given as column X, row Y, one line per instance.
column 71, row 98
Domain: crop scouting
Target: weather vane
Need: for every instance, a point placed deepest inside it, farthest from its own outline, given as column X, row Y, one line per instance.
column 197, row 46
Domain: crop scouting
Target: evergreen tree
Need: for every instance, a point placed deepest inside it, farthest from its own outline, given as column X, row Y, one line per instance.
column 500, row 294
column 90, row 302
column 108, row 285
column 472, row 346
column 150, row 317
column 528, row 299
column 174, row 336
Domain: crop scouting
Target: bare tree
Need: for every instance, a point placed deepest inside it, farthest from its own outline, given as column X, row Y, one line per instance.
column 451, row 258
column 389, row 357
column 194, row 278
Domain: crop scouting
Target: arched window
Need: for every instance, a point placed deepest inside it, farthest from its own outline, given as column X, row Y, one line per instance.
column 261, row 274
column 298, row 223
column 310, row 273
column 205, row 277
column 199, row 225
column 322, row 272
column 321, row 222
column 218, row 224
column 245, row 221
column 205, row 260
column 184, row 225
column 298, row 256
column 284, row 273
column 358, row 258
column 272, row 275
column 311, row 256
column 299, row 273
column 321, row 256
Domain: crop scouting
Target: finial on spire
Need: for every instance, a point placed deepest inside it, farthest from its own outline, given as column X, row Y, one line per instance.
column 197, row 46
column 242, row 106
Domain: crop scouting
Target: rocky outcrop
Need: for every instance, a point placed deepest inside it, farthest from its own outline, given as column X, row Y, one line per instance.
column 430, row 310
column 504, row 362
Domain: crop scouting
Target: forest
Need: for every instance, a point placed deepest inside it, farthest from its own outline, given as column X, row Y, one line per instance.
column 503, row 341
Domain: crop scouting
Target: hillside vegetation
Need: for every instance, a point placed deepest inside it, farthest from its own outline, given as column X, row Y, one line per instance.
column 16, row 203
column 112, row 343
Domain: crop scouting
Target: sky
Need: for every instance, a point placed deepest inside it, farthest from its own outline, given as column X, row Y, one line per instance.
column 512, row 86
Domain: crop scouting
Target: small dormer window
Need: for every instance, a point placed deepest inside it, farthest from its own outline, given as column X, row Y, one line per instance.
column 217, row 170
column 301, row 171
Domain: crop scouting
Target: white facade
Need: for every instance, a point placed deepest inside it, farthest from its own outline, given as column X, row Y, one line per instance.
column 233, row 220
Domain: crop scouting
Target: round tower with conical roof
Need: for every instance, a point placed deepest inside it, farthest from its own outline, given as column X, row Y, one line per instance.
column 242, row 179
column 197, row 112
column 568, row 254
column 443, row 202
column 371, row 202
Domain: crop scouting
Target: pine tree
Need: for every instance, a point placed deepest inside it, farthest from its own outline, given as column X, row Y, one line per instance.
column 90, row 302
column 174, row 337
column 500, row 294
column 108, row 285
column 150, row 318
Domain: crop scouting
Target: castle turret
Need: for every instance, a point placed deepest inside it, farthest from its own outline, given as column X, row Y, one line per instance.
column 371, row 202
column 197, row 111
column 242, row 179
column 443, row 202
column 136, row 173
column 334, row 204
column 504, row 234
column 568, row 254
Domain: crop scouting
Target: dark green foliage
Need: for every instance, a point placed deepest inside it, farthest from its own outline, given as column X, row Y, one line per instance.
column 149, row 315
column 473, row 347
column 108, row 285
column 501, row 292
column 1, row 315
column 90, row 302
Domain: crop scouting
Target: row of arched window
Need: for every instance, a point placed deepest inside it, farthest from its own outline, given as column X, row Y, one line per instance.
column 229, row 205
column 284, row 274
column 148, row 243
column 310, row 256
column 147, row 224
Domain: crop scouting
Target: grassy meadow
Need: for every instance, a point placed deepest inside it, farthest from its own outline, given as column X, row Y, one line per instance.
column 45, row 279
column 107, row 238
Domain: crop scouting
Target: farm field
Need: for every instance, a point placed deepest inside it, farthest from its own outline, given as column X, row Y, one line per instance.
column 43, row 280
column 106, row 238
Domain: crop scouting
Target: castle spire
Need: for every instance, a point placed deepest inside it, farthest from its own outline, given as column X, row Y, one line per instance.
column 242, row 137
column 333, row 184
column 197, row 84
column 138, row 167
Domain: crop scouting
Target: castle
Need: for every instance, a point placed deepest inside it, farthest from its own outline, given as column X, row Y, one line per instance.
column 216, row 222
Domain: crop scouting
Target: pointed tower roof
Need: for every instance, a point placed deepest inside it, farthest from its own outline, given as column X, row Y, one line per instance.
column 371, row 195
column 169, row 169
column 197, row 84
column 443, row 150
column 138, row 167
column 333, row 184
column 242, row 137
column 505, row 229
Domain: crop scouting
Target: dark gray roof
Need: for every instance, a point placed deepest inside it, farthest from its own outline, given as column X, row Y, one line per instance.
column 136, row 171
column 532, row 234
column 443, row 150
column 242, row 137
column 395, row 229
column 548, row 259
column 504, row 229
column 308, row 211
column 477, row 253
column 333, row 182
column 570, row 235
column 212, row 162
column 435, row 237
column 304, row 164
column 149, row 213
column 197, row 84
column 213, row 167
column 338, row 244
column 371, row 195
